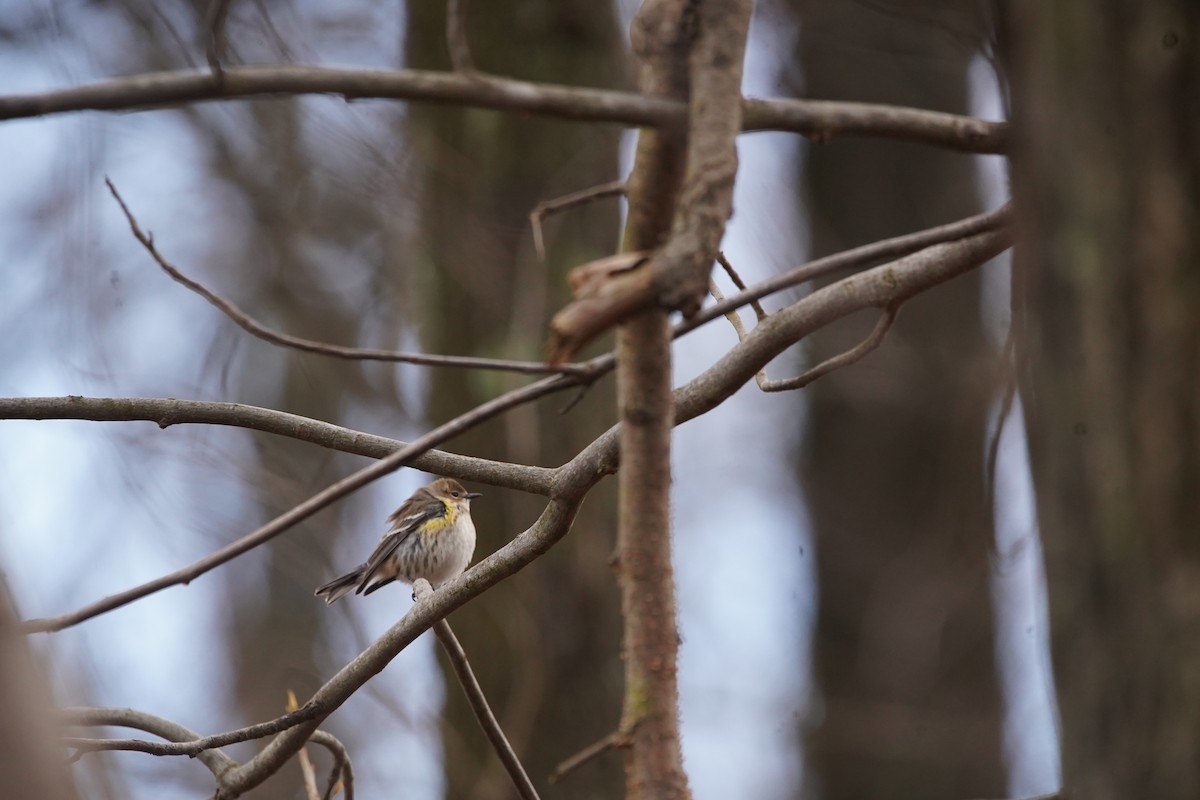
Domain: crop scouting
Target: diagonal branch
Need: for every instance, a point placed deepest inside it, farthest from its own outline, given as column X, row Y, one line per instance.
column 256, row 328
column 878, row 287
column 311, row 506
column 477, row 700
column 857, row 258
column 818, row 119
column 932, row 260
column 856, row 353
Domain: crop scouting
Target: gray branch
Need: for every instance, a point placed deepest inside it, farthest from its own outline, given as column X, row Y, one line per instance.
column 819, row 120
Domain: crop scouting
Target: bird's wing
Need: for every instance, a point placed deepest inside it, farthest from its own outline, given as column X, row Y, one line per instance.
column 404, row 521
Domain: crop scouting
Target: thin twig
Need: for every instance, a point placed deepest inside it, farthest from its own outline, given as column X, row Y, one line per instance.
column 573, row 480
column 457, row 41
column 593, row 751
column 598, row 366
column 734, row 315
column 740, row 284
column 548, row 207
column 819, row 119
column 856, row 353
column 193, row 744
column 857, row 258
column 308, row 774
column 214, row 22
column 306, row 767
column 216, row 761
column 256, row 328
column 477, row 700
column 342, row 770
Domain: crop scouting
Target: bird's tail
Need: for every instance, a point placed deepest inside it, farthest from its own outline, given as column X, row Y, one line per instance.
column 339, row 587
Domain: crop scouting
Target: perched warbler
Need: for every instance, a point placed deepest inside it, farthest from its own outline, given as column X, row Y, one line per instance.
column 430, row 536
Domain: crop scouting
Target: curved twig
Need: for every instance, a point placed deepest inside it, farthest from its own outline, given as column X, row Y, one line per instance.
column 256, row 328
column 342, row 768
column 856, row 353
column 217, row 762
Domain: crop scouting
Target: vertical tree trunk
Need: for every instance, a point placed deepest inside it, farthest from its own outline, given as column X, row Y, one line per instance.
column 893, row 468
column 1107, row 178
column 31, row 759
column 544, row 644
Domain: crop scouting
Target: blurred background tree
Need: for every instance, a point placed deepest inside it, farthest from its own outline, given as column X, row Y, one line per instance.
column 892, row 463
column 405, row 226
column 551, row 640
column 1107, row 183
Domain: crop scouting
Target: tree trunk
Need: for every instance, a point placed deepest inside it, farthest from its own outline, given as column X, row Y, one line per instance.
column 1107, row 178
column 545, row 643
column 893, row 469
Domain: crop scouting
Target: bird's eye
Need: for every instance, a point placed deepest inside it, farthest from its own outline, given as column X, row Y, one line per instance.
column 454, row 494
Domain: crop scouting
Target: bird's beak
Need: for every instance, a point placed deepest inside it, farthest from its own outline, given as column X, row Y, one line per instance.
column 473, row 495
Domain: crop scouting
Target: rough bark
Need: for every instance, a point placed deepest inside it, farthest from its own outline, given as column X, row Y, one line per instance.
column 1107, row 178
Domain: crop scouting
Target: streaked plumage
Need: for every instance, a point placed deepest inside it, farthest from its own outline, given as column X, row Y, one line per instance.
column 430, row 536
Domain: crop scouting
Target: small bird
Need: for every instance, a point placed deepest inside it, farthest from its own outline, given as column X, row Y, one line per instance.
column 430, row 536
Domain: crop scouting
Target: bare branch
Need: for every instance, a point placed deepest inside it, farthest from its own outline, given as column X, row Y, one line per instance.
column 819, row 119
column 548, row 207
column 734, row 315
column 342, row 768
column 856, row 353
column 217, row 762
column 192, row 745
column 859, row 351
column 590, row 753
column 477, row 700
column 822, row 120
column 926, row 268
column 308, row 774
column 759, row 312
column 255, row 328
column 876, row 288
column 306, row 509
column 857, row 257
column 880, row 287
column 184, row 742
column 166, row 412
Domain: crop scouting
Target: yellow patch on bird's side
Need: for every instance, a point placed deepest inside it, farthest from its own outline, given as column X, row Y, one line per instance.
column 438, row 524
